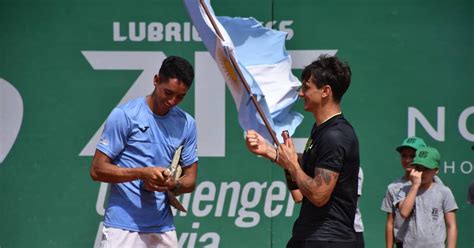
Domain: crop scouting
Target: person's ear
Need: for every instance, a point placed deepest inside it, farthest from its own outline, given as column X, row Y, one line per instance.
column 156, row 79
column 327, row 91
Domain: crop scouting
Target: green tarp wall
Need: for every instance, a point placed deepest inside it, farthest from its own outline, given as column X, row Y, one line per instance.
column 65, row 64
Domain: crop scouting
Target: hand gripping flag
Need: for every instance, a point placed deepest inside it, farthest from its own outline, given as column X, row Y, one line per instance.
column 174, row 170
column 256, row 67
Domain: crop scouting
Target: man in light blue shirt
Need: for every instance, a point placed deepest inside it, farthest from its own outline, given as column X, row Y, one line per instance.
column 138, row 143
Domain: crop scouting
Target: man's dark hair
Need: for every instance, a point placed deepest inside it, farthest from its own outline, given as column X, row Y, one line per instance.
column 330, row 71
column 176, row 67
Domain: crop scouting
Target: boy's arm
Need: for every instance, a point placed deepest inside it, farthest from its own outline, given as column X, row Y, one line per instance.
column 388, row 207
column 406, row 205
column 451, row 228
column 389, row 231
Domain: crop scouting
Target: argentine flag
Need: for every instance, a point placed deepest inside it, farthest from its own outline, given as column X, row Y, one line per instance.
column 263, row 61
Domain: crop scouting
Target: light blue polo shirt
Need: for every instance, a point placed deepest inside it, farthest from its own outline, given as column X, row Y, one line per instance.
column 135, row 137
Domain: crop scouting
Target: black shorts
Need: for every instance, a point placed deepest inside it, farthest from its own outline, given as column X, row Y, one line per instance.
column 360, row 240
column 319, row 244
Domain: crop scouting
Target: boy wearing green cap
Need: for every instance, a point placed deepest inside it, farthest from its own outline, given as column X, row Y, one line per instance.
column 394, row 221
column 428, row 207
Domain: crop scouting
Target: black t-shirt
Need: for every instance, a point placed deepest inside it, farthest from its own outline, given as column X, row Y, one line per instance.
column 334, row 146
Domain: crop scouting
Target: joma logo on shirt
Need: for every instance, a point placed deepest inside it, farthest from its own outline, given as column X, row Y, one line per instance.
column 143, row 129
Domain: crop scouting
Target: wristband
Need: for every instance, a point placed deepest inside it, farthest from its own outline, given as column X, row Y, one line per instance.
column 289, row 181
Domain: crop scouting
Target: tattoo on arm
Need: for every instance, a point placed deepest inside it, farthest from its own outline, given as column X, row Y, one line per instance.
column 319, row 189
column 322, row 175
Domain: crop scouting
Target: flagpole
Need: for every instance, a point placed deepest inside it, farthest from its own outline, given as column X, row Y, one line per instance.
column 208, row 13
column 254, row 99
column 242, row 78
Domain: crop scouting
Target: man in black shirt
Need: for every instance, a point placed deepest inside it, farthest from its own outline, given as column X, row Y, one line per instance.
column 326, row 174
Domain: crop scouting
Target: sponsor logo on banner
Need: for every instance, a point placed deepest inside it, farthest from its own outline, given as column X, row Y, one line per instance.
column 174, row 31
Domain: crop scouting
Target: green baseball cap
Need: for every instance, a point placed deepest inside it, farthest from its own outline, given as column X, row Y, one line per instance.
column 412, row 142
column 427, row 157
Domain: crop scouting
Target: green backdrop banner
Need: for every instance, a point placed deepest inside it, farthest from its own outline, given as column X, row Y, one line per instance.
column 64, row 65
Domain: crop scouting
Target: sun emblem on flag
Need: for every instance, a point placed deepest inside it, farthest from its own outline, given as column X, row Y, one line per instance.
column 228, row 69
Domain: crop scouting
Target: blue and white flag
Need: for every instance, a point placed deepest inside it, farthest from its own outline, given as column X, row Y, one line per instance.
column 261, row 57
